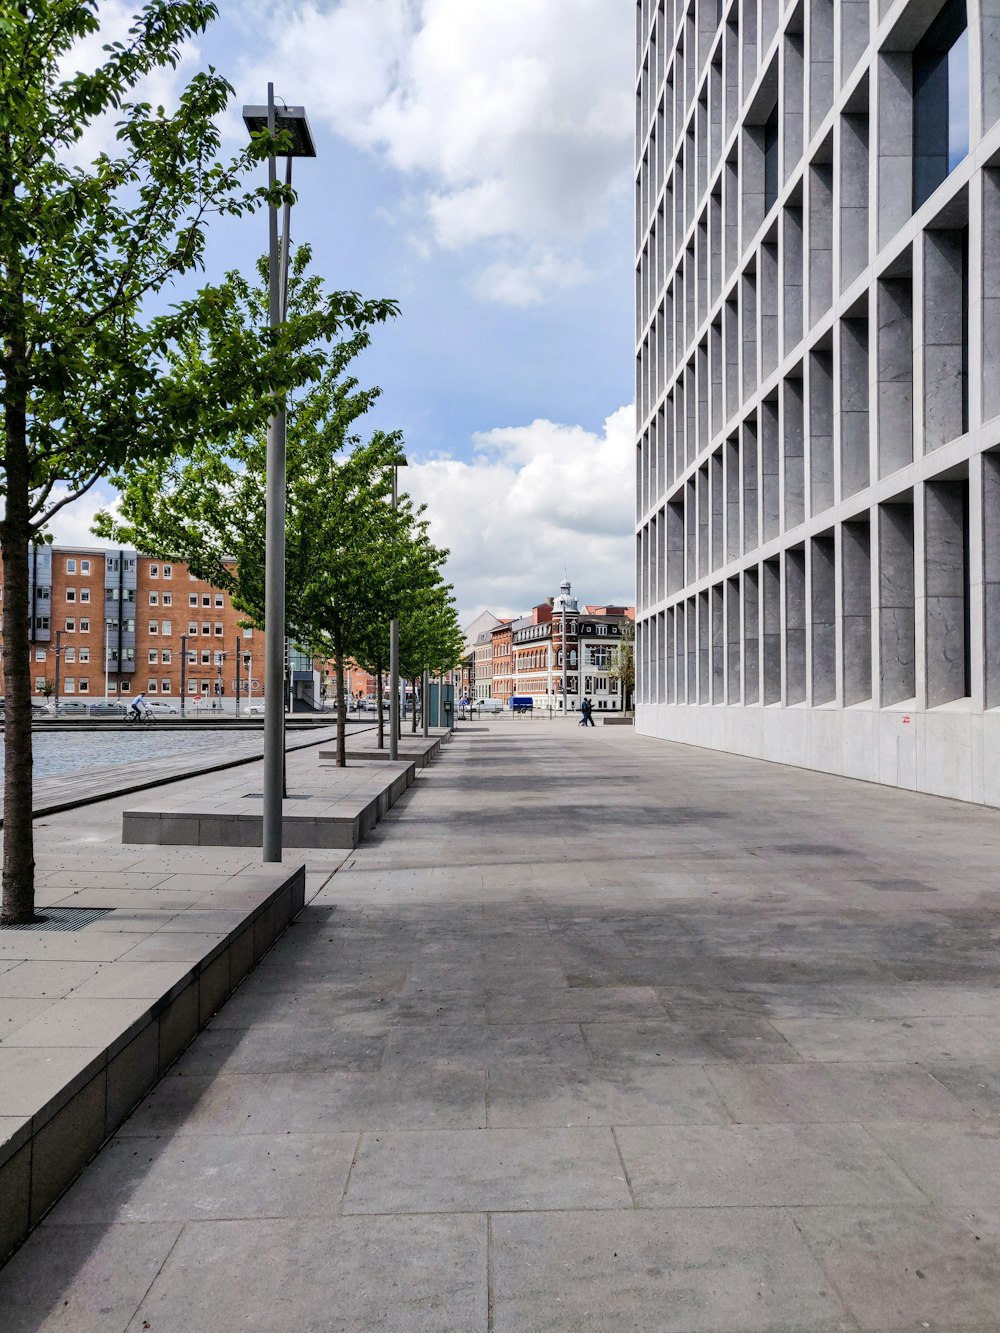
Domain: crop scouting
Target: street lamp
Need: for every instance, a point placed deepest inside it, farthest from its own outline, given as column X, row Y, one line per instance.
column 293, row 121
column 394, row 644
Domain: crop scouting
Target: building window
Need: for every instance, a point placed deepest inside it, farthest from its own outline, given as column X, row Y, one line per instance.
column 168, row 571
column 151, row 688
column 71, row 594
column 206, row 657
column 247, row 632
column 206, row 627
column 69, row 685
column 154, row 627
column 70, row 566
column 84, row 594
column 84, row 654
column 39, row 654
column 940, row 100
column 219, row 601
column 166, row 627
column 166, row 657
column 219, row 628
column 125, row 687
column 164, row 686
column 168, row 599
column 206, row 599
column 192, row 599
column 192, row 687
column 192, row 627
column 154, row 571
column 218, row 658
column 71, row 626
column 154, row 599
column 153, row 655
column 771, row 160
column 84, row 685
column 84, row 626
column 69, row 655
column 39, row 684
column 84, row 567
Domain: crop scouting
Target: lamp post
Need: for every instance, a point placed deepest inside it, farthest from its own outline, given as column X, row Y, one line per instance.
column 59, row 635
column 394, row 644
column 291, row 120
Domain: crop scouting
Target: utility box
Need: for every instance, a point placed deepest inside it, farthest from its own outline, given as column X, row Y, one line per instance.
column 441, row 703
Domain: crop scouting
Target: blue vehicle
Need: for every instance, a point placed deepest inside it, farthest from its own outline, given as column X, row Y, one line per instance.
column 521, row 703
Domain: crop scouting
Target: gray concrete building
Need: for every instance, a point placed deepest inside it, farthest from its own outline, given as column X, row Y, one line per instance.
column 818, row 384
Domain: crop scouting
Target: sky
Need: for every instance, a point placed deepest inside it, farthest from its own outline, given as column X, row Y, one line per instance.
column 474, row 162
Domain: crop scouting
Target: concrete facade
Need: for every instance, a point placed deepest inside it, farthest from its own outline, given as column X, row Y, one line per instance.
column 818, row 321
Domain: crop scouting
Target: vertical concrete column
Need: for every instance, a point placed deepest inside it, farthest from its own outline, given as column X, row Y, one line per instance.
column 856, row 604
column 751, row 635
column 734, row 640
column 770, row 468
column 896, row 604
column 944, row 296
column 795, row 625
column 822, row 619
column 792, row 435
column 946, row 594
column 770, row 590
column 990, row 530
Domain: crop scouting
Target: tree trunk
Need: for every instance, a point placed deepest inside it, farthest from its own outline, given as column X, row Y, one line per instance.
column 378, row 696
column 413, row 710
column 18, row 835
column 341, row 710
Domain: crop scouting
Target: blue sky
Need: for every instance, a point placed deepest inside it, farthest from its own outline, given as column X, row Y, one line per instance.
column 474, row 163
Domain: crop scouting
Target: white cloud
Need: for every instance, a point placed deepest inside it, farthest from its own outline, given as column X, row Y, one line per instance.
column 161, row 87
column 72, row 525
column 536, row 503
column 512, row 119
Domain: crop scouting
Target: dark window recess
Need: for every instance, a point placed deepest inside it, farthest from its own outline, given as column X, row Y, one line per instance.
column 771, row 160
column 940, row 100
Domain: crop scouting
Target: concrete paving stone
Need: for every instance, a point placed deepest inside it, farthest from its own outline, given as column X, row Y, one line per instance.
column 976, row 1085
column 913, row 999
column 29, row 1079
column 484, row 1046
column 657, row 1271
column 162, row 948
column 826, row 1094
column 336, row 1274
column 160, row 1179
column 954, row 1164
column 696, row 1166
column 279, row 1048
column 711, row 1037
column 580, row 1005
column 126, row 980
column 182, row 1104
column 874, row 1039
column 486, row 1170
column 758, row 1000
column 678, row 1095
column 15, row 1013
column 386, row 1100
column 79, row 1021
column 310, row 1006
column 63, row 946
column 95, row 1277
column 905, row 1268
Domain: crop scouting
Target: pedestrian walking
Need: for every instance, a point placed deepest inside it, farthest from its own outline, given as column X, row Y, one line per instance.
column 586, row 709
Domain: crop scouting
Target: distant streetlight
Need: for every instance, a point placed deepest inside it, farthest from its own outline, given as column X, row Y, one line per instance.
column 394, row 644
column 293, row 121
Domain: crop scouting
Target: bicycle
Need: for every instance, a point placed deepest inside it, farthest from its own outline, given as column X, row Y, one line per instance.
column 139, row 716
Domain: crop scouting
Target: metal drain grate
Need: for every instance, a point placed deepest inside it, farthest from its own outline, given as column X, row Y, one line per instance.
column 64, row 918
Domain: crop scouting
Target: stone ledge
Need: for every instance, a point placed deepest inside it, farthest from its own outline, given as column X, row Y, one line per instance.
column 69, row 1077
column 341, row 810
column 421, row 749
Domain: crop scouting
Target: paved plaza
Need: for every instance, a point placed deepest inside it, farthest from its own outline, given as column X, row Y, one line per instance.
column 593, row 1033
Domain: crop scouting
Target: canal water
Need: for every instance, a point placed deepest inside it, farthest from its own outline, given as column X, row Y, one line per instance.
column 67, row 752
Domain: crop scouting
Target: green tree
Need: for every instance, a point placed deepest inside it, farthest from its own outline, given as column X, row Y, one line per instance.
column 206, row 504
column 430, row 637
column 622, row 665
column 83, row 387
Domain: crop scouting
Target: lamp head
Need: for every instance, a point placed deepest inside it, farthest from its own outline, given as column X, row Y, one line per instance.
column 291, row 119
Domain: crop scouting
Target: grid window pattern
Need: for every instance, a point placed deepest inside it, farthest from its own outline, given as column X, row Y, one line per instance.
column 817, row 283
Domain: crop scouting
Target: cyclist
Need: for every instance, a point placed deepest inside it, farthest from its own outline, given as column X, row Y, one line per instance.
column 138, row 707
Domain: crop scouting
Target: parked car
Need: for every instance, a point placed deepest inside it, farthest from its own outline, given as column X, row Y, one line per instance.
column 488, row 706
column 72, row 708
column 161, row 706
column 107, row 709
column 256, row 709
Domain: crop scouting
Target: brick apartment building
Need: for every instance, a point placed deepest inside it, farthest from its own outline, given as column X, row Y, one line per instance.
column 115, row 622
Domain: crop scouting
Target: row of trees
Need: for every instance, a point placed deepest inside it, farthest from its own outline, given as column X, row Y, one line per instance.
column 172, row 406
